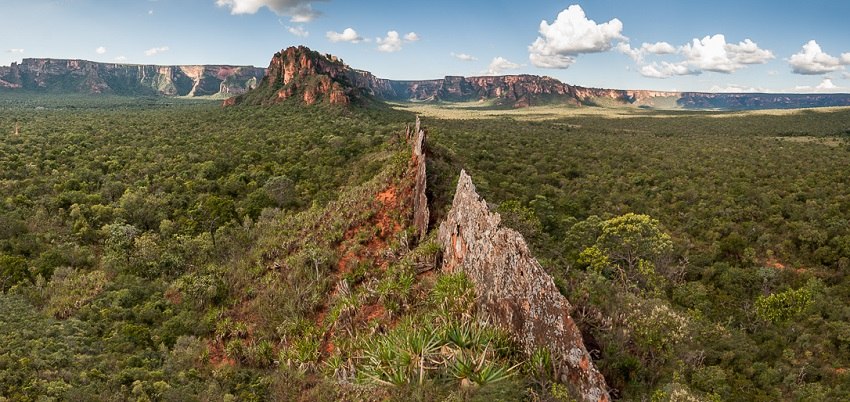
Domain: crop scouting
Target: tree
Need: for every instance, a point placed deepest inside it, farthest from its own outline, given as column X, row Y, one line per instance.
column 13, row 270
column 630, row 238
column 212, row 212
column 280, row 189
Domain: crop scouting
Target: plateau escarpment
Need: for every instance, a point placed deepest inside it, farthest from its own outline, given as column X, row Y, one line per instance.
column 316, row 78
column 88, row 77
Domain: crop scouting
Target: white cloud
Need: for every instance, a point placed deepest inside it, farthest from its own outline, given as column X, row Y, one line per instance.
column 658, row 48
column 712, row 53
column 464, row 56
column 736, row 89
column 297, row 10
column 298, row 31
column 121, row 58
column 637, row 54
column 411, row 37
column 812, row 60
column 100, row 50
column 845, row 75
column 572, row 34
column 347, row 35
column 666, row 70
column 150, row 12
column 391, row 43
column 156, row 50
column 825, row 86
column 500, row 64
column 18, row 51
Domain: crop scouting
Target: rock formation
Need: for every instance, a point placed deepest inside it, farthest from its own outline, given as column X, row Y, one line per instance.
column 421, row 213
column 315, row 78
column 81, row 76
column 301, row 73
column 513, row 291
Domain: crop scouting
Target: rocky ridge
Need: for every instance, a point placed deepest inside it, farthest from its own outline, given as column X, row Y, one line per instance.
column 88, row 77
column 513, row 291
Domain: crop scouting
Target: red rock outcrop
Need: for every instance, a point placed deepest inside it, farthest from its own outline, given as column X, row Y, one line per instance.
column 514, row 292
column 308, row 75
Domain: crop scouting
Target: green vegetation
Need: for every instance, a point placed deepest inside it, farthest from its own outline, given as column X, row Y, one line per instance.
column 706, row 255
column 177, row 250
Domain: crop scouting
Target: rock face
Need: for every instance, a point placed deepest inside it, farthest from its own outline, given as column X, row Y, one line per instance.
column 81, row 76
column 298, row 72
column 513, row 291
column 316, row 78
column 421, row 213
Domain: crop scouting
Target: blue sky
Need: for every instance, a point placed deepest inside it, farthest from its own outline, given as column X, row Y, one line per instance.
column 777, row 46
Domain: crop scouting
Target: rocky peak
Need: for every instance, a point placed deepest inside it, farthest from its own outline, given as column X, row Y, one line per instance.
column 514, row 292
column 298, row 72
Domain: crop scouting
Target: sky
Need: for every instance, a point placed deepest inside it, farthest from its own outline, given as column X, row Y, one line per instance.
column 677, row 45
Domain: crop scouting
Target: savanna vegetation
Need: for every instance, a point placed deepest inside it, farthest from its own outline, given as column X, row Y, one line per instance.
column 158, row 249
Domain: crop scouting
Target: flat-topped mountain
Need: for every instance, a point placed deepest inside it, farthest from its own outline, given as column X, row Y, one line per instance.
column 88, row 77
column 312, row 77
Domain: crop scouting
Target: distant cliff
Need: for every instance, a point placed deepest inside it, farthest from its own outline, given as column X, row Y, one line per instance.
column 87, row 77
column 314, row 77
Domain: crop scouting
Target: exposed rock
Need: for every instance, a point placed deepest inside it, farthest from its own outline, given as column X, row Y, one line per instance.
column 513, row 291
column 297, row 71
column 81, row 76
column 308, row 75
column 421, row 214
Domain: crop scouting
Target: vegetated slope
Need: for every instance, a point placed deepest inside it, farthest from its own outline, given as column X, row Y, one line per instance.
column 160, row 275
column 103, row 210
column 740, row 291
column 87, row 77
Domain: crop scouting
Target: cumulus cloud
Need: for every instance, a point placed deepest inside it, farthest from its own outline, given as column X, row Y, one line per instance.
column 812, row 60
column 391, row 43
column 712, row 53
column 156, row 50
column 637, row 54
column 658, row 48
column 18, row 51
column 571, row 34
column 298, row 31
column 825, row 86
column 736, row 89
column 347, row 35
column 121, row 58
column 666, row 70
column 100, row 50
column 499, row 65
column 411, row 37
column 464, row 56
column 297, row 10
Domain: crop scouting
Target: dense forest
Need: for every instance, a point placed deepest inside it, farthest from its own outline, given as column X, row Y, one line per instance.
column 162, row 249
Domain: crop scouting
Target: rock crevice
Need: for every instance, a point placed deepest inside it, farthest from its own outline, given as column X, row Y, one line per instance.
column 513, row 290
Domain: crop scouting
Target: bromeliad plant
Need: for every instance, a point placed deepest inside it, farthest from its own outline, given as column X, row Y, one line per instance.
column 449, row 348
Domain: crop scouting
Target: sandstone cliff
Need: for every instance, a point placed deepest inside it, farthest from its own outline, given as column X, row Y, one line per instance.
column 314, row 78
column 307, row 75
column 513, row 291
column 87, row 77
